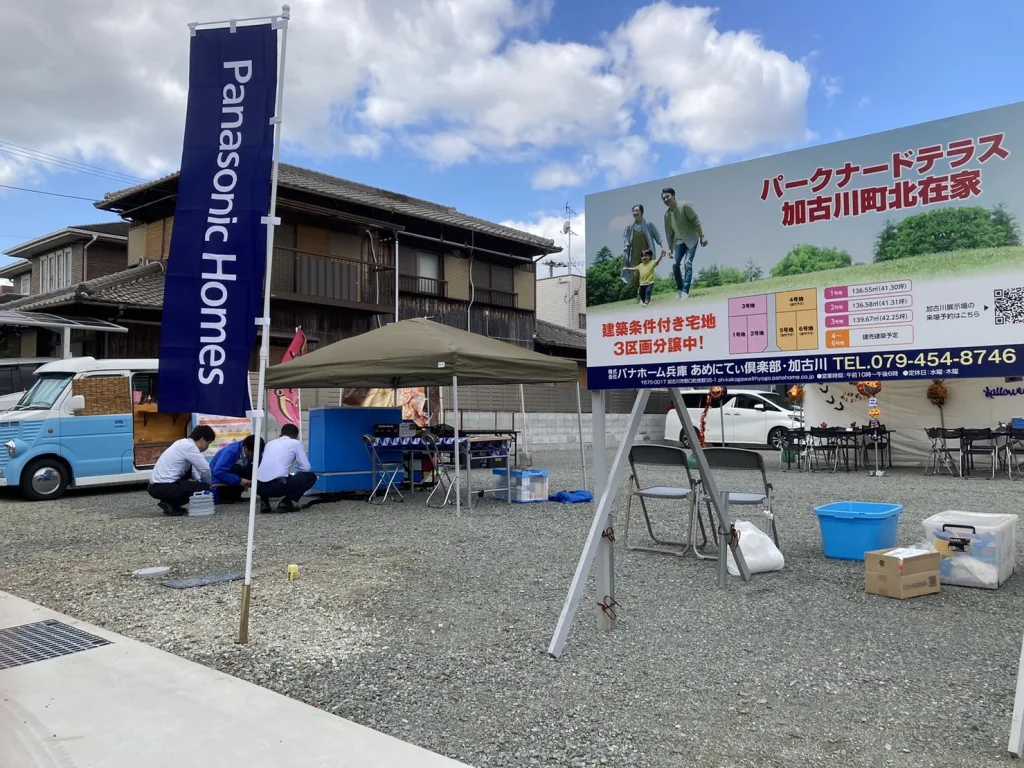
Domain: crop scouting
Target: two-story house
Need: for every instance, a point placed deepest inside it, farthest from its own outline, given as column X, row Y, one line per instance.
column 67, row 257
column 333, row 270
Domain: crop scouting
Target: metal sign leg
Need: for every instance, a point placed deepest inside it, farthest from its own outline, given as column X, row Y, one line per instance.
column 601, row 514
column 604, row 576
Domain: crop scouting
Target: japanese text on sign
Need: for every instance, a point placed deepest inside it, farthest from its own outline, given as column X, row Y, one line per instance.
column 924, row 190
column 659, row 334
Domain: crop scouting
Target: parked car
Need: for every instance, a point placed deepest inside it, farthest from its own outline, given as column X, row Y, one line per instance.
column 86, row 422
column 750, row 417
column 17, row 375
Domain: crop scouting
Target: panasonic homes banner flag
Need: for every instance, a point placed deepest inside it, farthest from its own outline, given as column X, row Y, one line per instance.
column 214, row 285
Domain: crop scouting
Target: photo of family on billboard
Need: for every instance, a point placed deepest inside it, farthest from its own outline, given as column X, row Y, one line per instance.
column 863, row 210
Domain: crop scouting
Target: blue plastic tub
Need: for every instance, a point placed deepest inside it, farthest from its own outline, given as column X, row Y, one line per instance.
column 851, row 528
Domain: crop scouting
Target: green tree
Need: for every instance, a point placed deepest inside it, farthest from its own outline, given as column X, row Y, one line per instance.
column 811, row 258
column 604, row 280
column 708, row 277
column 731, row 275
column 752, row 271
column 947, row 229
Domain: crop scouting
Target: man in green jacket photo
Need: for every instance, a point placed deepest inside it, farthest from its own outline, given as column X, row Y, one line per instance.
column 683, row 232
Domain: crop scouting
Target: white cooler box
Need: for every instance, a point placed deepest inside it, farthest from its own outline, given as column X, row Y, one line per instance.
column 977, row 549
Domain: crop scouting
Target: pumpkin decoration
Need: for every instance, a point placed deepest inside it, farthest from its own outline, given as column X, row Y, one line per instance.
column 796, row 394
column 717, row 396
column 937, row 393
column 869, row 388
column 875, row 414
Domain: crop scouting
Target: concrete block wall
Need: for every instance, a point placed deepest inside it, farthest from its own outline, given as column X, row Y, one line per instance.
column 559, row 431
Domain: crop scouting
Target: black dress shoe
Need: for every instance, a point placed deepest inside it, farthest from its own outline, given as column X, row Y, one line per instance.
column 265, row 507
column 172, row 511
column 287, row 506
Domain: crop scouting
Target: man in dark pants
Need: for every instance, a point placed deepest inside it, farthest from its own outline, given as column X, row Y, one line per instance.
column 172, row 482
column 232, row 469
column 275, row 465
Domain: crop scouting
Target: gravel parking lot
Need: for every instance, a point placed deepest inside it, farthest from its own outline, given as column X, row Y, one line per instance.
column 434, row 630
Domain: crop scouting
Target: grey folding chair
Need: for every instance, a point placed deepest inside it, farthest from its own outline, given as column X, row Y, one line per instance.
column 668, row 457
column 744, row 461
column 443, row 483
column 384, row 473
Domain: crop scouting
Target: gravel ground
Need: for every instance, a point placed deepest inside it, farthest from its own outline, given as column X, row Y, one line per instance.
column 434, row 630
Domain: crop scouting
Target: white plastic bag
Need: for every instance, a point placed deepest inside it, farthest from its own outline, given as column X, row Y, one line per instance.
column 758, row 550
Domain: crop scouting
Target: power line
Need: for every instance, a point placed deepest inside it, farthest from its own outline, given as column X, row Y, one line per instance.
column 69, row 165
column 53, row 194
column 69, row 160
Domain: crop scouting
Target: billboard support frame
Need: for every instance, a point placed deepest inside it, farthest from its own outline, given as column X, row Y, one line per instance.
column 600, row 540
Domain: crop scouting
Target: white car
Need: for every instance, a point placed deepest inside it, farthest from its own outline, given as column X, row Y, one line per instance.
column 749, row 417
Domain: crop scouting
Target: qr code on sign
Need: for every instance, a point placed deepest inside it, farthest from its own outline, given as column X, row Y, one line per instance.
column 1008, row 304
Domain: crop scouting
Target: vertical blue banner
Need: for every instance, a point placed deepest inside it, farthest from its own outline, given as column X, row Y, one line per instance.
column 214, row 287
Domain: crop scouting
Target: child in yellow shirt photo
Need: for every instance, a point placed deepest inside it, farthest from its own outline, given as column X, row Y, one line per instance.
column 645, row 269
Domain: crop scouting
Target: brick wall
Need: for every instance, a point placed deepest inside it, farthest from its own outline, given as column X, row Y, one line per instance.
column 136, row 243
column 105, row 259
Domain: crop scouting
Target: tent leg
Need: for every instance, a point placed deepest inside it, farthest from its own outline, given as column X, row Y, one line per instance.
column 604, row 576
column 1016, row 747
column 458, row 478
column 597, row 529
column 523, row 457
column 579, row 424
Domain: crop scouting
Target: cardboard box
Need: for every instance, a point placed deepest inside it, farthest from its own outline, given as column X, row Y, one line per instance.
column 902, row 572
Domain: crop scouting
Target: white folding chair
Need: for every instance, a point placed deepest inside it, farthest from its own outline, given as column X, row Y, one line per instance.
column 666, row 456
column 385, row 473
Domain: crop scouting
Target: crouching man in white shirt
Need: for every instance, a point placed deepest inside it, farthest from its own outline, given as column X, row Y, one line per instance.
column 275, row 466
column 181, row 471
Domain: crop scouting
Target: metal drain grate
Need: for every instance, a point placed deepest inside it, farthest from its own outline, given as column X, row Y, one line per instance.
column 43, row 640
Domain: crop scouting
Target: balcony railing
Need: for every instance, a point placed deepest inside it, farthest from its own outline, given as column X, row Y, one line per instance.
column 331, row 279
column 427, row 286
column 496, row 298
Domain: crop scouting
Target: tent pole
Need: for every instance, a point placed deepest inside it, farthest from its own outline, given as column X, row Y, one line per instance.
column 579, row 424
column 524, row 460
column 270, row 221
column 458, row 478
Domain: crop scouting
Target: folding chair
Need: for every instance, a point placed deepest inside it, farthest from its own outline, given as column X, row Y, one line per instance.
column 667, row 455
column 442, row 480
column 384, row 472
column 1014, row 447
column 977, row 442
column 794, row 441
column 940, row 453
column 746, row 461
column 823, row 442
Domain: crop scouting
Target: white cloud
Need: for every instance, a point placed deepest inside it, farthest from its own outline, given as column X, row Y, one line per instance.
column 864, row 102
column 453, row 79
column 547, row 225
column 712, row 92
column 833, row 86
column 562, row 176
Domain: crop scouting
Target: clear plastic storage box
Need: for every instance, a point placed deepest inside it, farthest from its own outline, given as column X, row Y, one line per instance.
column 527, row 485
column 977, row 549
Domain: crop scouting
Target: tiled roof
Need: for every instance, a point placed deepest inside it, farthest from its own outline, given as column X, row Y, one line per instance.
column 137, row 287
column 314, row 182
column 15, row 268
column 552, row 335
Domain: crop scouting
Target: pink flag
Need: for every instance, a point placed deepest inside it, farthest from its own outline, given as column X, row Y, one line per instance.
column 284, row 403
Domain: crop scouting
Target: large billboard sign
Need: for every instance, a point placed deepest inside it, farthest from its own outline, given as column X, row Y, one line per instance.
column 892, row 256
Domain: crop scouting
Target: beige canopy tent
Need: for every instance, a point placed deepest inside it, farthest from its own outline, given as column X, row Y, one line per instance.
column 422, row 353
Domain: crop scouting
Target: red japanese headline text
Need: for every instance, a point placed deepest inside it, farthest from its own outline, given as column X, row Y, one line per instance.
column 665, row 344
column 903, row 193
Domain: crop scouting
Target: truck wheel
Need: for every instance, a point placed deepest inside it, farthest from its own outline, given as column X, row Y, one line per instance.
column 44, row 480
column 777, row 438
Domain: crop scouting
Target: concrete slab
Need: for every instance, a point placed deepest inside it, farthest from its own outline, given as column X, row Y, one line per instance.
column 128, row 704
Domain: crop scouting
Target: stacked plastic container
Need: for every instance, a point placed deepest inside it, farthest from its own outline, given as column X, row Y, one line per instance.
column 977, row 549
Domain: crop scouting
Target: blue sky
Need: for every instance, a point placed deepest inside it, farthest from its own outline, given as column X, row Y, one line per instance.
column 846, row 70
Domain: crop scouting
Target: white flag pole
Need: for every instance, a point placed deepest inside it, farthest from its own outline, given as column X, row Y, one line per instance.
column 271, row 221
column 298, row 394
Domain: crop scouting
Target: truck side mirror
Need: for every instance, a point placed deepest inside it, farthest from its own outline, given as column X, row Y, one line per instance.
column 77, row 403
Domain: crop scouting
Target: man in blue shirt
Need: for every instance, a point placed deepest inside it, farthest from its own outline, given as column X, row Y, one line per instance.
column 232, row 470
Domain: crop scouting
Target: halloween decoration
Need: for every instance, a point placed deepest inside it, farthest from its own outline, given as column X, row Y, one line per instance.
column 716, row 399
column 796, row 394
column 869, row 388
column 937, row 393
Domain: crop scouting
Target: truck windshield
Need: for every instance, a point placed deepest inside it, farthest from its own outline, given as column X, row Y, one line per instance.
column 44, row 392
